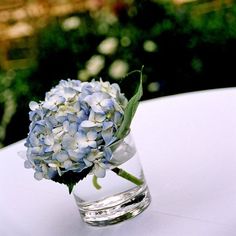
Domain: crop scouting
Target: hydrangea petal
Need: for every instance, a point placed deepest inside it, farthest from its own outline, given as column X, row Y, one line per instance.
column 99, row 171
column 56, row 148
column 92, row 144
column 49, row 140
column 61, row 156
column 88, row 124
column 107, row 135
column 67, row 164
column 107, row 125
column 28, row 164
column 99, row 117
column 49, row 105
column 38, row 175
column 107, row 104
column 33, row 106
column 92, row 135
column 88, row 163
column 108, row 154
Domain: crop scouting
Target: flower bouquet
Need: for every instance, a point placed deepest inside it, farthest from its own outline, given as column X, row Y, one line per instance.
column 80, row 131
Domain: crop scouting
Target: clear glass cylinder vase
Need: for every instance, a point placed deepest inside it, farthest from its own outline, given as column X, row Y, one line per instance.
column 120, row 197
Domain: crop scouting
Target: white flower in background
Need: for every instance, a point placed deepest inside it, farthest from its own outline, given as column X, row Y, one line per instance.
column 72, row 128
column 95, row 64
column 118, row 69
column 83, row 75
column 153, row 87
column 150, row 46
column 108, row 46
column 71, row 23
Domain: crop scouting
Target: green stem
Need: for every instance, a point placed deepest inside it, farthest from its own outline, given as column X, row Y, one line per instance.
column 95, row 182
column 127, row 176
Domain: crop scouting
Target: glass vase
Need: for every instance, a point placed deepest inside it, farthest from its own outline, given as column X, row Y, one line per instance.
column 123, row 194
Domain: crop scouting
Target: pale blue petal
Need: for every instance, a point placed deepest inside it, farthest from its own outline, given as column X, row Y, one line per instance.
column 52, row 120
column 80, row 136
column 107, row 154
column 118, row 108
column 107, row 135
column 57, row 130
column 33, row 115
column 97, row 108
column 67, row 164
column 73, row 128
column 69, row 92
column 66, row 125
column 56, row 147
column 68, row 141
column 92, row 135
column 92, row 144
column 33, row 106
column 49, row 105
column 60, row 119
column 55, row 99
column 72, row 117
column 99, row 117
column 49, row 140
column 91, row 157
column 28, row 164
column 99, row 171
column 77, row 106
column 61, row 156
column 87, row 162
column 117, row 117
column 107, row 104
column 107, row 125
column 75, row 156
column 92, row 116
column 83, row 144
column 87, row 124
column 48, row 149
column 38, row 175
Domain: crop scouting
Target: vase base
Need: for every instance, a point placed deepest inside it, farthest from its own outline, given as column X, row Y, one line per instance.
column 117, row 208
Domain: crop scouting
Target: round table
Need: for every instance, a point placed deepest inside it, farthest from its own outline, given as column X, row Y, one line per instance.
column 187, row 146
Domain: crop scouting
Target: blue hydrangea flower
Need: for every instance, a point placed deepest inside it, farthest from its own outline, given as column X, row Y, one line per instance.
column 72, row 128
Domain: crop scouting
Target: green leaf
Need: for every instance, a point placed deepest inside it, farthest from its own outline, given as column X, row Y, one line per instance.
column 71, row 178
column 130, row 109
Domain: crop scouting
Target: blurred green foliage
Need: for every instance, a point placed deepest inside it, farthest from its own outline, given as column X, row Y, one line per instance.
column 180, row 49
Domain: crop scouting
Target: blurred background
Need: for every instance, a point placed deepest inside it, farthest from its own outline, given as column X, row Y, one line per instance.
column 184, row 45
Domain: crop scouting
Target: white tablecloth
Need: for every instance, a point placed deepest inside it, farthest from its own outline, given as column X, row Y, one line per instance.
column 187, row 145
